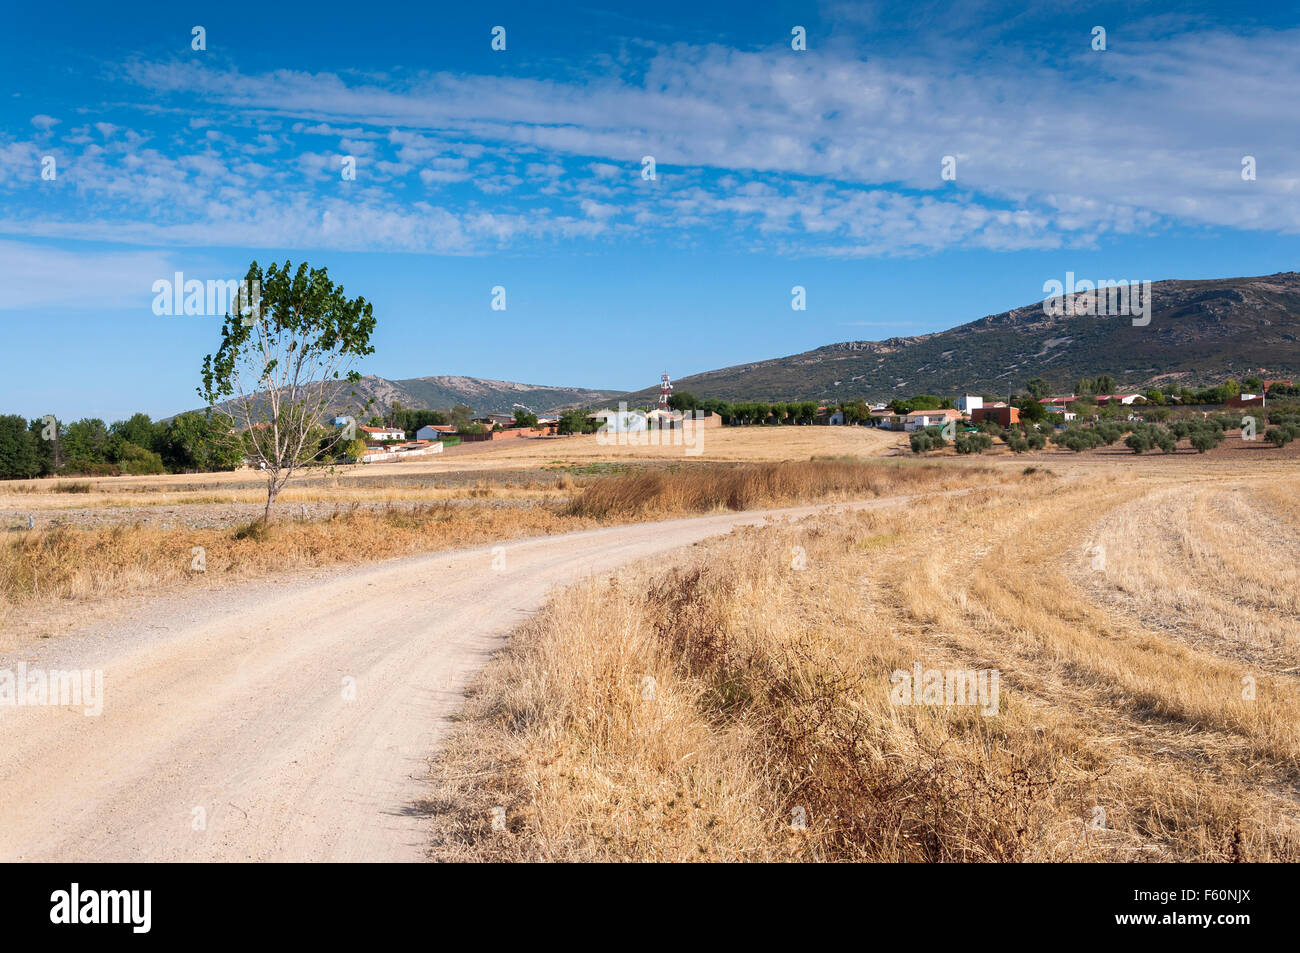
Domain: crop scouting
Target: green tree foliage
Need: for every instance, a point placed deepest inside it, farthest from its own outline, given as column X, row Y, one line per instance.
column 188, row 444
column 461, row 415
column 282, row 362
column 928, row 438
column 85, row 445
column 576, row 421
column 47, row 448
column 1031, row 411
column 354, row 450
column 972, row 442
column 409, row 421
column 133, row 459
column 19, row 454
column 525, row 419
column 1138, row 442
column 137, row 429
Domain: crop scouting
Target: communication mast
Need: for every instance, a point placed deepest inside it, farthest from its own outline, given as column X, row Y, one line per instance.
column 665, row 391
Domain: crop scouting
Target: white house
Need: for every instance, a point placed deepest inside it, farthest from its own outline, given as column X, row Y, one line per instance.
column 382, row 434
column 919, row 419
column 966, row 403
column 621, row 420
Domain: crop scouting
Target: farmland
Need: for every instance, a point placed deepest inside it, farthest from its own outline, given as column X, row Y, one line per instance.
column 1143, row 619
column 1140, row 611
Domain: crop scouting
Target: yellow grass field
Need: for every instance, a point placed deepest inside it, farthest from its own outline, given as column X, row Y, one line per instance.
column 108, row 544
column 1143, row 619
column 1142, row 615
column 726, row 444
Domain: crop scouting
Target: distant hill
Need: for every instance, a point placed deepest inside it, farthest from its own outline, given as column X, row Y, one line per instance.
column 488, row 396
column 1200, row 333
column 484, row 396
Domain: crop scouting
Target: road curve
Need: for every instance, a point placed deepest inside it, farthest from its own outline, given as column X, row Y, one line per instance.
column 229, row 731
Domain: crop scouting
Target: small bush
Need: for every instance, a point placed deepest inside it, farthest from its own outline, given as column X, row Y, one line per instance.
column 256, row 531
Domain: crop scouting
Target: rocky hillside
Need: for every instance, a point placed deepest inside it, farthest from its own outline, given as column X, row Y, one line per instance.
column 1200, row 332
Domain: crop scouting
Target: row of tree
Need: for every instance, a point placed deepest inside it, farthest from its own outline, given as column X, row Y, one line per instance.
column 1203, row 434
column 188, row 443
column 46, row 446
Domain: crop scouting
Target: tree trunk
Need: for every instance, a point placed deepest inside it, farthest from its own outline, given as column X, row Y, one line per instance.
column 271, row 493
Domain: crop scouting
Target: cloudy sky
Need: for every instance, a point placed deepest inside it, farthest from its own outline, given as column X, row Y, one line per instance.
column 524, row 168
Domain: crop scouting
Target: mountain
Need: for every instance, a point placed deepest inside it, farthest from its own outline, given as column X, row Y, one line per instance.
column 1200, row 332
column 486, row 396
column 483, row 395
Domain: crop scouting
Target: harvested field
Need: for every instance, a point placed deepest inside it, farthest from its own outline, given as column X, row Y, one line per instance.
column 739, row 705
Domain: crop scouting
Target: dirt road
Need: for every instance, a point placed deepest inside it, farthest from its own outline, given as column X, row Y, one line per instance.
column 289, row 720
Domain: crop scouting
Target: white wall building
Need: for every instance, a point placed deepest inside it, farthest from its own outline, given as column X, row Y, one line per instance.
column 382, row 434
column 621, row 420
column 966, row 403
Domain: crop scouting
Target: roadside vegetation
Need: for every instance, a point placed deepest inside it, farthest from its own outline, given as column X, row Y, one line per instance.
column 63, row 563
column 737, row 706
column 699, row 490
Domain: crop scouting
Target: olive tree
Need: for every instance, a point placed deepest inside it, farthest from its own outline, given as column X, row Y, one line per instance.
column 284, row 363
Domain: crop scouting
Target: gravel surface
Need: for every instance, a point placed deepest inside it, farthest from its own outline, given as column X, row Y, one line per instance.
column 295, row 716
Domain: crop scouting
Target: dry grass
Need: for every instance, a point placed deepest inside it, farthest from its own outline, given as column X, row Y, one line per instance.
column 658, row 492
column 1114, row 740
column 68, row 563
column 48, row 495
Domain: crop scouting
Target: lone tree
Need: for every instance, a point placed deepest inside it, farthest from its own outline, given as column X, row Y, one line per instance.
column 284, row 362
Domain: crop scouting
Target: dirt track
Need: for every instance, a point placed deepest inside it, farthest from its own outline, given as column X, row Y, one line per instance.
column 227, row 707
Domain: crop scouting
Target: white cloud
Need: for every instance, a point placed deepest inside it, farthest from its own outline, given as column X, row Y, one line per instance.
column 40, row 276
column 824, row 154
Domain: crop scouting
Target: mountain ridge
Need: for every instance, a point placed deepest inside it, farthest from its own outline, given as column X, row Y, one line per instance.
column 1200, row 332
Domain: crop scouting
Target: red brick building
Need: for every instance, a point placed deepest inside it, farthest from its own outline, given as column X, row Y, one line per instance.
column 1005, row 416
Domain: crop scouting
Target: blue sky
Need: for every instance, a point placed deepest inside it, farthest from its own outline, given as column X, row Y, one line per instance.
column 522, row 168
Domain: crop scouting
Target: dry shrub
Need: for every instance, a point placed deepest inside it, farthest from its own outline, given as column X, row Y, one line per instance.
column 770, row 704
column 76, row 563
column 746, row 486
column 753, row 720
column 69, row 563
